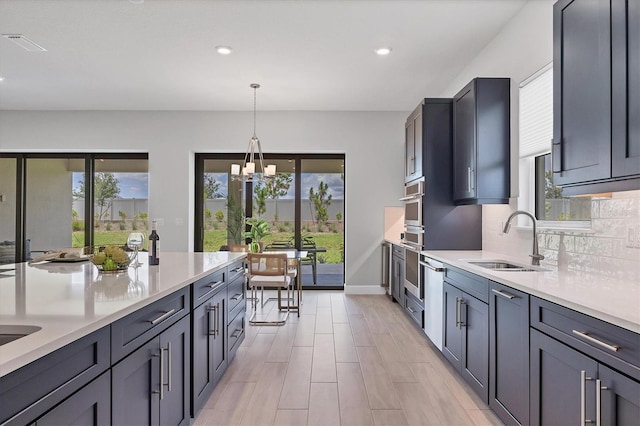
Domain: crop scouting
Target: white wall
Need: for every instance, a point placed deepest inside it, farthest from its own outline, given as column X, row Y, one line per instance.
column 523, row 46
column 371, row 141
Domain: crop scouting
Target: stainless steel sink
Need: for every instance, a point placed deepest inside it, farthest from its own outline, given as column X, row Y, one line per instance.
column 502, row 265
column 9, row 333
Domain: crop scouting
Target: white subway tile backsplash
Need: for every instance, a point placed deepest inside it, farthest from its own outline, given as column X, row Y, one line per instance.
column 603, row 251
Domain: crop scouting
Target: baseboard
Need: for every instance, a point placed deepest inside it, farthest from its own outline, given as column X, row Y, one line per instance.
column 364, row 289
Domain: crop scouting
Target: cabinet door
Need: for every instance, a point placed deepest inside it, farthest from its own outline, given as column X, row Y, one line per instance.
column 582, row 91
column 417, row 145
column 620, row 401
column 202, row 380
column 452, row 332
column 91, row 405
column 174, row 344
column 475, row 346
column 464, row 138
column 135, row 390
column 555, row 372
column 625, row 33
column 218, row 308
column 397, row 279
column 509, row 354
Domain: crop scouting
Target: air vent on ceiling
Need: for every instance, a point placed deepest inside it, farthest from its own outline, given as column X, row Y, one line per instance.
column 24, row 42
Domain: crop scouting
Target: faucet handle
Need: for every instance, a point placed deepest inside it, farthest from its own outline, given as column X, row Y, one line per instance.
column 536, row 258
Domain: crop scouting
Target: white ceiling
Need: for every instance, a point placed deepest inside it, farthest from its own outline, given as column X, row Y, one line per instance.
column 306, row 54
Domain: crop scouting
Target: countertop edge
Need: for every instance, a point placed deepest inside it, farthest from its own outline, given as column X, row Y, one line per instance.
column 38, row 352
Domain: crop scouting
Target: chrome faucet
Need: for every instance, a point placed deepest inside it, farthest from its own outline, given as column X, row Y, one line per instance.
column 536, row 257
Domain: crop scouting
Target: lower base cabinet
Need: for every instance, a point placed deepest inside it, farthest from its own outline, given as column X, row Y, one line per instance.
column 209, row 348
column 90, row 405
column 568, row 387
column 150, row 386
column 466, row 338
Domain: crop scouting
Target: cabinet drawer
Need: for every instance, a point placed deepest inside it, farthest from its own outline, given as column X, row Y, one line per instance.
column 235, row 332
column 589, row 335
column 398, row 251
column 414, row 309
column 235, row 270
column 206, row 287
column 30, row 391
column 472, row 284
column 130, row 332
column 235, row 292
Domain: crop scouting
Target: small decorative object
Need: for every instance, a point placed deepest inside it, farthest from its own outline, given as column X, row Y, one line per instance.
column 110, row 258
column 135, row 242
column 154, row 245
column 259, row 228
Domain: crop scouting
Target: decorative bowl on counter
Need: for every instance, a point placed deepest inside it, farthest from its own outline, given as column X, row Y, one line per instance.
column 110, row 258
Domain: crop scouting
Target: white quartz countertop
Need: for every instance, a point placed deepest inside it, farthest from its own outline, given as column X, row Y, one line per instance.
column 71, row 300
column 613, row 301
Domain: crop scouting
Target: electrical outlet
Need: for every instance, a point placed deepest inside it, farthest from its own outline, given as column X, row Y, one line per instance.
column 159, row 221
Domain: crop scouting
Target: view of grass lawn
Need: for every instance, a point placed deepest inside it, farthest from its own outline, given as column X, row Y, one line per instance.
column 214, row 239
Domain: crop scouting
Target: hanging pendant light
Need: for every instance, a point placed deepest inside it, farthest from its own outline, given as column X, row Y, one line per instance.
column 250, row 172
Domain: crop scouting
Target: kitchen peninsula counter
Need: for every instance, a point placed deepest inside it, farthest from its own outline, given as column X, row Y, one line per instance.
column 611, row 299
column 71, row 300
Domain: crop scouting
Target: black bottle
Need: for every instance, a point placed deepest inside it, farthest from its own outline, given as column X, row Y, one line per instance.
column 154, row 245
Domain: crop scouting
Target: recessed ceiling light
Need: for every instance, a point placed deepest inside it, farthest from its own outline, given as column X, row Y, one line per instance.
column 1, row 78
column 223, row 50
column 383, row 51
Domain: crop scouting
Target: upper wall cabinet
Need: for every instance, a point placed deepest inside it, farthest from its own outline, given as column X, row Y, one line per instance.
column 413, row 146
column 596, row 134
column 481, row 139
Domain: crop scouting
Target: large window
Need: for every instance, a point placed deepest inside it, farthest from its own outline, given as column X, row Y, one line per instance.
column 70, row 200
column 537, row 190
column 303, row 206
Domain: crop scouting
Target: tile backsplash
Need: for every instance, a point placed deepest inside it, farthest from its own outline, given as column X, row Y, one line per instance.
column 611, row 248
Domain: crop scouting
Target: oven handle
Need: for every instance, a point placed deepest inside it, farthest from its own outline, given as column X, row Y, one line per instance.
column 430, row 266
column 415, row 249
column 410, row 197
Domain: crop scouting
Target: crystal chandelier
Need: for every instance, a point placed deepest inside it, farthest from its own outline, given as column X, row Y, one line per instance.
column 249, row 172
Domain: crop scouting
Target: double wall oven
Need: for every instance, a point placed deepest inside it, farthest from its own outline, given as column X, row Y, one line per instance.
column 413, row 236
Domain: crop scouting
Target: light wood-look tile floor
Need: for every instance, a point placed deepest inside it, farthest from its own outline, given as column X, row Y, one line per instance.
column 347, row 360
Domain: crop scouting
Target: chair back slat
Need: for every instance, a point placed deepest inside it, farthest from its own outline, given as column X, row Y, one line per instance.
column 267, row 264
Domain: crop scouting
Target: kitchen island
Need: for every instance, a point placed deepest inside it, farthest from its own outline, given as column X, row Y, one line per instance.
column 108, row 322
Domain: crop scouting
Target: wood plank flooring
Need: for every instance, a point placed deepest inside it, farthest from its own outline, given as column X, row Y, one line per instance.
column 347, row 360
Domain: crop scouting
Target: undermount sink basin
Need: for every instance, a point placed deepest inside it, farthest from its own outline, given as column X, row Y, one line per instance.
column 502, row 265
column 9, row 333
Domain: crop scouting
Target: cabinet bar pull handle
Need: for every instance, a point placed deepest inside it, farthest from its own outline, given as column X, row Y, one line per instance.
column 237, row 296
column 212, row 320
column 468, row 179
column 584, row 335
column 236, row 333
column 162, row 317
column 462, row 323
column 218, row 321
column 583, row 398
column 169, row 366
column 599, row 389
column 216, row 284
column 503, row 294
column 161, row 374
column 430, row 266
column 410, row 309
column 238, row 269
column 457, row 312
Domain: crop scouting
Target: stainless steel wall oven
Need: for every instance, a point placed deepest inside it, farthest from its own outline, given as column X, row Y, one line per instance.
column 413, row 236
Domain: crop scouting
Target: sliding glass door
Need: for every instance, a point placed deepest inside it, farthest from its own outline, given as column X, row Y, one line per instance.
column 53, row 201
column 303, row 206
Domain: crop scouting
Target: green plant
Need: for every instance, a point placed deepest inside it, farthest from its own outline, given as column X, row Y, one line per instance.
column 260, row 192
column 219, row 215
column 320, row 258
column 338, row 217
column 108, row 226
column 333, row 228
column 235, row 221
column 319, row 201
column 207, row 213
column 258, row 229
column 143, row 217
column 134, row 225
column 77, row 225
column 122, row 226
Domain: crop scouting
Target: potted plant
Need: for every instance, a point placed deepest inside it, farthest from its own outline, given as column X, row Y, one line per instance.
column 259, row 228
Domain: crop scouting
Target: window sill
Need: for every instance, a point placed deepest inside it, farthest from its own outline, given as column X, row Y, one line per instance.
column 580, row 229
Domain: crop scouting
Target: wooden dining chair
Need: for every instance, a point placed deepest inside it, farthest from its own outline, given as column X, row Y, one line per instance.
column 269, row 270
